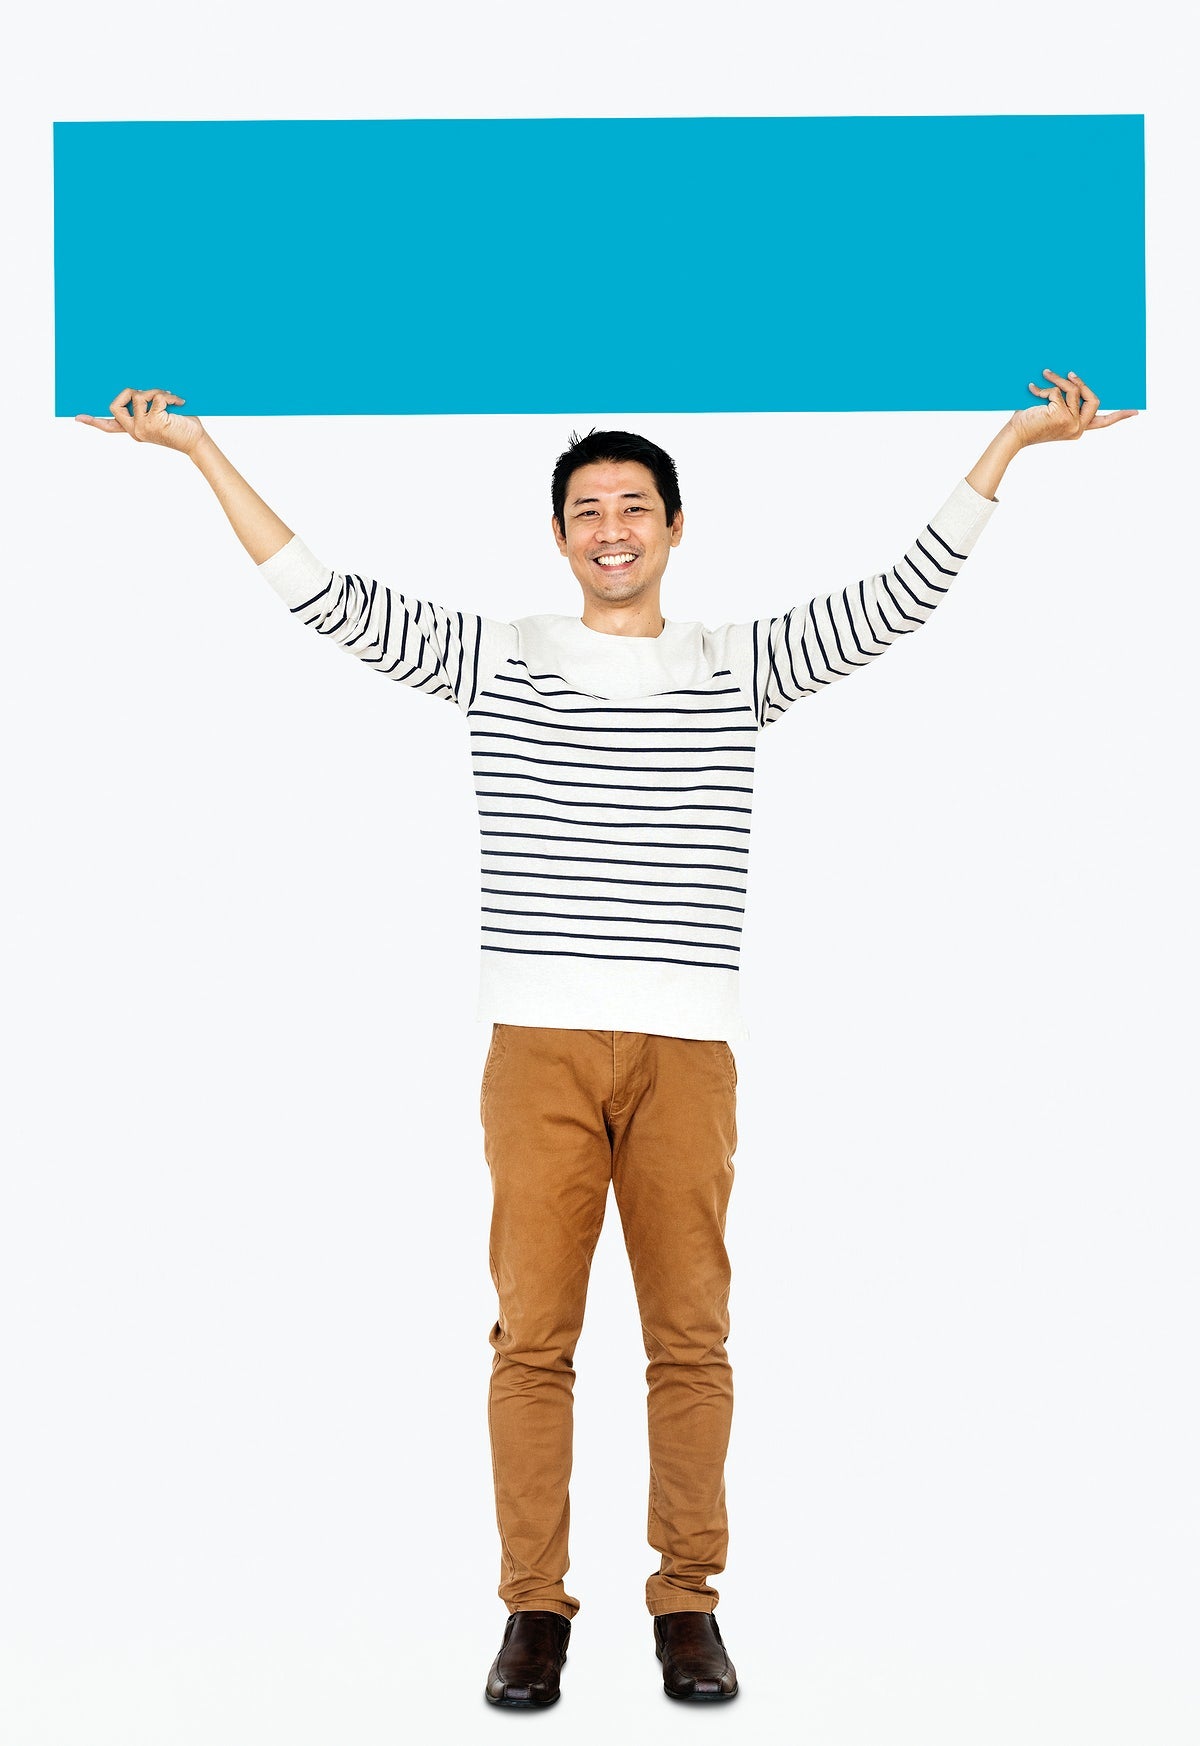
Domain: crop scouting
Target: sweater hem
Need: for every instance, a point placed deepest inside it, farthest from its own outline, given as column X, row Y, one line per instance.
column 665, row 1000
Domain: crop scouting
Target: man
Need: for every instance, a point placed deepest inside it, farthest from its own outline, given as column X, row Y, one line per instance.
column 613, row 757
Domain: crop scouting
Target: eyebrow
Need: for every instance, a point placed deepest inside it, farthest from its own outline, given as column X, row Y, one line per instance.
column 578, row 500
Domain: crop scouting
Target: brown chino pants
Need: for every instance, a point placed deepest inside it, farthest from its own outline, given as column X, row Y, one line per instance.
column 565, row 1112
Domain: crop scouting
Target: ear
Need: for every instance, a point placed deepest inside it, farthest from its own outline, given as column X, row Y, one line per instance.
column 677, row 528
column 556, row 530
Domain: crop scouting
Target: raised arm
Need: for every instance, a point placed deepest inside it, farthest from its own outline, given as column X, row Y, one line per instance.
column 819, row 641
column 1068, row 409
column 414, row 642
column 800, row 652
column 144, row 415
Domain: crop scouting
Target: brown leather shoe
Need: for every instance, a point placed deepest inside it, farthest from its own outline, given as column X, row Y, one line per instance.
column 692, row 1653
column 525, row 1672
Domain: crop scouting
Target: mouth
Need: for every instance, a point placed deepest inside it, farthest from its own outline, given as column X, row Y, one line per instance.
column 615, row 561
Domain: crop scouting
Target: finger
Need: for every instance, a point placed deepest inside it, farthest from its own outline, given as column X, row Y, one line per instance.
column 1090, row 404
column 118, row 407
column 1068, row 391
column 1090, row 409
column 139, row 404
column 100, row 423
column 1103, row 418
column 1034, row 389
column 1091, row 401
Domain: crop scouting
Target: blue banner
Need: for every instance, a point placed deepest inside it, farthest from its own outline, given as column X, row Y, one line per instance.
column 733, row 264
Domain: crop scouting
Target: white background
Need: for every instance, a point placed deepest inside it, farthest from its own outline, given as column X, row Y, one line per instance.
column 245, row 1294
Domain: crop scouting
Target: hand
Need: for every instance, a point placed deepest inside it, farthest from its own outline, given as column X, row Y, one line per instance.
column 1070, row 409
column 150, row 421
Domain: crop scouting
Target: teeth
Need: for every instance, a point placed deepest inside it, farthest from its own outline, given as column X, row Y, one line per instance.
column 614, row 562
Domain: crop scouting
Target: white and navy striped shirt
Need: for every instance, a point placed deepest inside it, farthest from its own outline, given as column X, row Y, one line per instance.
column 614, row 774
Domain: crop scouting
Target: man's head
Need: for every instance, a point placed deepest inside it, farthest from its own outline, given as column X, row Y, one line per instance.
column 616, row 514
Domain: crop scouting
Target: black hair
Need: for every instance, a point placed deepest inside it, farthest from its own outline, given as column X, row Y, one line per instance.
column 615, row 445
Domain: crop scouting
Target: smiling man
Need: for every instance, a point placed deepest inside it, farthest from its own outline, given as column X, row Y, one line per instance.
column 618, row 530
column 613, row 758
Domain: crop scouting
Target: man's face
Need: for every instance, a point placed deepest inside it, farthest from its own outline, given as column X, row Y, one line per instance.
column 616, row 535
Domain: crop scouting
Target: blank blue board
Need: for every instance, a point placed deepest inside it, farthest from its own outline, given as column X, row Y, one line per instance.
column 708, row 264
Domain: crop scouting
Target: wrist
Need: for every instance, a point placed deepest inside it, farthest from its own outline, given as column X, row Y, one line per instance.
column 1010, row 438
column 989, row 469
column 203, row 450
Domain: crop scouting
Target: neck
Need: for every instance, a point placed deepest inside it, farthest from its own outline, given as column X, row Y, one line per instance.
column 634, row 618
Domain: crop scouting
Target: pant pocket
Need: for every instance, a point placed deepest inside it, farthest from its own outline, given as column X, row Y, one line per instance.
column 495, row 1055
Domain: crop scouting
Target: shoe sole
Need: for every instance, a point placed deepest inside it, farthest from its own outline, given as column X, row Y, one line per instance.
column 700, row 1697
column 508, row 1703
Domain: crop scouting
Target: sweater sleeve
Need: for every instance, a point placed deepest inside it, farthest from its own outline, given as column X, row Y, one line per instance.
column 800, row 652
column 427, row 647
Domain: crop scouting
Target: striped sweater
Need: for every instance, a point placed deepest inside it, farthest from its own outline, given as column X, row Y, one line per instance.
column 614, row 774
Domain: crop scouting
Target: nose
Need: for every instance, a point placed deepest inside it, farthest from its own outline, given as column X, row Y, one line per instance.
column 609, row 530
